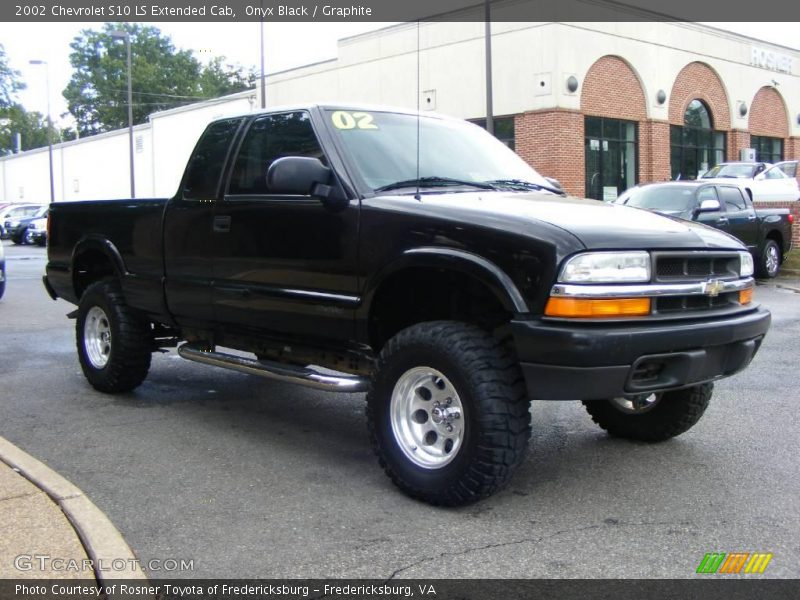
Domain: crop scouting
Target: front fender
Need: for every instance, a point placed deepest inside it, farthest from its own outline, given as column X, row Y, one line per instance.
column 497, row 280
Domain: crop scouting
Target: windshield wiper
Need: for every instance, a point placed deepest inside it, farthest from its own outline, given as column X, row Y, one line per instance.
column 519, row 184
column 434, row 181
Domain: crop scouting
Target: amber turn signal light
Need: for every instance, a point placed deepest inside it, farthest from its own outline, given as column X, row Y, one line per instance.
column 746, row 296
column 593, row 308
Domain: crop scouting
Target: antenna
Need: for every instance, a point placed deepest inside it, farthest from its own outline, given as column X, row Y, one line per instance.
column 417, row 195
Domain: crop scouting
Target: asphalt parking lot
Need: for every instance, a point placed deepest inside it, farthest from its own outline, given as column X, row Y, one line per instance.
column 253, row 478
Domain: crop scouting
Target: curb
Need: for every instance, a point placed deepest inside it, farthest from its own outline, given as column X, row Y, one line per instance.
column 101, row 540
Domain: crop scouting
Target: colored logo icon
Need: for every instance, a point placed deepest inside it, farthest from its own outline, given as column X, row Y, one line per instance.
column 734, row 563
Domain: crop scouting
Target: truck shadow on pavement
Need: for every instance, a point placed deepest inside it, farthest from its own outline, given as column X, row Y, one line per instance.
column 568, row 457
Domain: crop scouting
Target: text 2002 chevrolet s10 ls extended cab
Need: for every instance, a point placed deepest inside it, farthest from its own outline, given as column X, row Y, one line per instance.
column 416, row 258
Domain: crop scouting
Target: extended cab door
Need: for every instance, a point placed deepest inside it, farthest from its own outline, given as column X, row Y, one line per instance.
column 189, row 227
column 286, row 264
column 742, row 220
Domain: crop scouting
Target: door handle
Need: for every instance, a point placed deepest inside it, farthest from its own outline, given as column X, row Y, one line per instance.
column 222, row 224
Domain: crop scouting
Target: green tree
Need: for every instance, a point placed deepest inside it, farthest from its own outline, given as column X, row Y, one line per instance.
column 14, row 119
column 220, row 79
column 32, row 127
column 163, row 77
column 10, row 82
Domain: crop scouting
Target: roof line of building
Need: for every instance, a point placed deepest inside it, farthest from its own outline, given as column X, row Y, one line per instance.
column 75, row 142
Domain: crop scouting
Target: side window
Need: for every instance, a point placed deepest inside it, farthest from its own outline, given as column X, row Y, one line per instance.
column 789, row 168
column 707, row 193
column 268, row 139
column 205, row 166
column 773, row 173
column 732, row 199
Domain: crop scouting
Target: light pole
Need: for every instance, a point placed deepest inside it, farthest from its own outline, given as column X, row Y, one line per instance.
column 124, row 35
column 49, row 125
column 263, row 75
column 488, row 37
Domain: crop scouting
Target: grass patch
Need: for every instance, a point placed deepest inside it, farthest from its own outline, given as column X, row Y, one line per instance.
column 792, row 260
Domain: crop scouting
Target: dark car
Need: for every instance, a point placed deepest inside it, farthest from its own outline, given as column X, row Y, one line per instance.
column 417, row 258
column 17, row 229
column 2, row 271
column 13, row 212
column 767, row 232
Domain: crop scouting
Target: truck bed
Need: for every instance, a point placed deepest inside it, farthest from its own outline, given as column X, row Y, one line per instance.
column 133, row 226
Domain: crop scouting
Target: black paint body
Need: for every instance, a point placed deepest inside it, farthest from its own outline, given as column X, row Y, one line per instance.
column 304, row 270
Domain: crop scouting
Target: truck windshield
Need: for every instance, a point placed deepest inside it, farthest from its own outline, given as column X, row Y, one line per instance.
column 383, row 148
column 733, row 171
column 671, row 198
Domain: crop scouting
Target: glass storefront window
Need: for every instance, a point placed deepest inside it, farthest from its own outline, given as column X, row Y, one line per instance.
column 503, row 129
column 695, row 147
column 611, row 150
column 768, row 149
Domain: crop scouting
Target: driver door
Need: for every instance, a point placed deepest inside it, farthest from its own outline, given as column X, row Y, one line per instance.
column 284, row 264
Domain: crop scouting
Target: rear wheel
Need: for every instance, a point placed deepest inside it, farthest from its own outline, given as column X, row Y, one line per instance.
column 770, row 259
column 114, row 342
column 652, row 417
column 448, row 413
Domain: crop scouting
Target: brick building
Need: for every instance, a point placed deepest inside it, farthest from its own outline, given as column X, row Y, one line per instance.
column 598, row 106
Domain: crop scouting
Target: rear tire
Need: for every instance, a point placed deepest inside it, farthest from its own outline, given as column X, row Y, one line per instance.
column 770, row 262
column 669, row 414
column 114, row 342
column 448, row 413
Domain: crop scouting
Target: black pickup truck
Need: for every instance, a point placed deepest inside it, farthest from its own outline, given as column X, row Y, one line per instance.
column 418, row 259
column 725, row 205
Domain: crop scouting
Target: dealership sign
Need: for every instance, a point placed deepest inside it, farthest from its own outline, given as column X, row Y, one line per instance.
column 773, row 61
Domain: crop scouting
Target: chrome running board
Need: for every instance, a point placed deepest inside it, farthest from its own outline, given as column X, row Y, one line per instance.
column 272, row 370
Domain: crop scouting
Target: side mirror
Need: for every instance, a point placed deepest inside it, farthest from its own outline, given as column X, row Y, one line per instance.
column 709, row 205
column 301, row 175
column 760, row 177
column 555, row 183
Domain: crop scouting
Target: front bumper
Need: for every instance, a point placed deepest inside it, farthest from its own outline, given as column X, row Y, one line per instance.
column 592, row 361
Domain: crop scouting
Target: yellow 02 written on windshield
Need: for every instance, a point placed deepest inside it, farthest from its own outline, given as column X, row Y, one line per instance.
column 352, row 120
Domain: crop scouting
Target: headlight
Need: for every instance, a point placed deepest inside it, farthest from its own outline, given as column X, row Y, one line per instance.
column 745, row 264
column 607, row 267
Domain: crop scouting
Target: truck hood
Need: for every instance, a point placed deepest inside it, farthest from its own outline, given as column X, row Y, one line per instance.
column 598, row 225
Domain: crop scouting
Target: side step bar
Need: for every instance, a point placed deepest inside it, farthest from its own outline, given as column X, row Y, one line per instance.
column 272, row 370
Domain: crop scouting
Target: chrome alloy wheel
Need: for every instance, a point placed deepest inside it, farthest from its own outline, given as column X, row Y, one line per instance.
column 97, row 337
column 427, row 417
column 772, row 260
column 636, row 405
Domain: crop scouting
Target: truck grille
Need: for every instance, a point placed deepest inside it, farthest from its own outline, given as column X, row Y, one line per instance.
column 674, row 267
column 677, row 304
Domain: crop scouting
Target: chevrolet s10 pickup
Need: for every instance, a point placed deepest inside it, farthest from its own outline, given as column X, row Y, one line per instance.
column 415, row 258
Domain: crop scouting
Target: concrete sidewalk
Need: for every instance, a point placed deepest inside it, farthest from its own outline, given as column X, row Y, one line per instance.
column 51, row 530
column 33, row 525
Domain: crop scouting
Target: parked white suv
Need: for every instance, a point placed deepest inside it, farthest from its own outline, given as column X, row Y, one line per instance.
column 763, row 181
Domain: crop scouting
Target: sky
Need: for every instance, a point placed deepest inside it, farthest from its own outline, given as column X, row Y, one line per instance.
column 287, row 45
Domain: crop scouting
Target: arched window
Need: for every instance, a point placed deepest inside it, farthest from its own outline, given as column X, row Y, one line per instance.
column 695, row 147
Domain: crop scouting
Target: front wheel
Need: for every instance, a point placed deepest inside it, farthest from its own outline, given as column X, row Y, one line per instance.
column 448, row 413
column 114, row 342
column 652, row 417
column 770, row 260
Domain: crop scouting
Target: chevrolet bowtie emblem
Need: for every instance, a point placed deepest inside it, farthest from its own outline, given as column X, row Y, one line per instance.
column 713, row 287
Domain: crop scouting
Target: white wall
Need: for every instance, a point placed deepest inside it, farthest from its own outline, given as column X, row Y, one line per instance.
column 175, row 133
column 97, row 167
